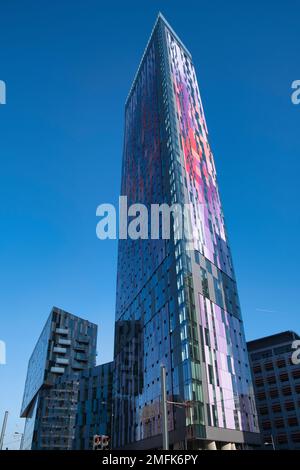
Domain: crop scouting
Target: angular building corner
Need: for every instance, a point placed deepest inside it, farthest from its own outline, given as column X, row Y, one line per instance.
column 65, row 348
column 177, row 305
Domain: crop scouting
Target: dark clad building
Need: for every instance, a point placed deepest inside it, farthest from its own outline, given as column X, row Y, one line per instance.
column 276, row 377
column 94, row 409
column 67, row 346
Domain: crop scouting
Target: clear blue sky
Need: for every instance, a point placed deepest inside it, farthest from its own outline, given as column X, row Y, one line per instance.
column 68, row 67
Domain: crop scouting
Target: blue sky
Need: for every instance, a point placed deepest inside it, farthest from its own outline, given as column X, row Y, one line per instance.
column 68, row 67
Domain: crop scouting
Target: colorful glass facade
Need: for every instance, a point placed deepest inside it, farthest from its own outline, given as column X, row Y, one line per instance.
column 177, row 304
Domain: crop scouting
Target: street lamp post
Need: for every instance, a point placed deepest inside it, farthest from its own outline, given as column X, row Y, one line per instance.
column 272, row 443
column 164, row 408
column 186, row 404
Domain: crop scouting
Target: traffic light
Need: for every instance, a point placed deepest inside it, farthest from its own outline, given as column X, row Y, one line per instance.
column 100, row 442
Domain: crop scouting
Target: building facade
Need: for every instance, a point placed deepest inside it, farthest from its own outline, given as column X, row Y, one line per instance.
column 67, row 346
column 276, row 378
column 94, row 409
column 177, row 302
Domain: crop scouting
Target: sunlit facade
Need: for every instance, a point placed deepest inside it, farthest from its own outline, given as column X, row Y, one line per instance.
column 177, row 302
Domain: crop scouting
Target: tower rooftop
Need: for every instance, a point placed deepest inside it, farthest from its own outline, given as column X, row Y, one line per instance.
column 160, row 18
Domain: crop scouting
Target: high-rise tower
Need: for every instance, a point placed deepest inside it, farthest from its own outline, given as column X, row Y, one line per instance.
column 177, row 304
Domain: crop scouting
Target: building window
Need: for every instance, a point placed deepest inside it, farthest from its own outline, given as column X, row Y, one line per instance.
column 289, row 405
column 259, row 382
column 296, row 436
column 281, row 363
column 266, row 425
column 261, row 396
column 284, row 377
column 279, row 423
column 210, row 374
column 296, row 374
column 273, row 393
column 257, row 369
column 276, row 408
column 282, row 349
column 261, row 355
column 282, row 439
column 263, row 410
column 293, row 421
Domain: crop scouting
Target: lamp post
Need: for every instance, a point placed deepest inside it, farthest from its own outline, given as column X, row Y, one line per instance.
column 164, row 408
column 272, row 443
column 186, row 404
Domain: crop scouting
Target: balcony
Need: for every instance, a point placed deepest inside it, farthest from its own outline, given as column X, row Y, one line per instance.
column 83, row 339
column 62, row 360
column 57, row 370
column 78, row 366
column 81, row 357
column 59, row 350
column 62, row 331
column 64, row 342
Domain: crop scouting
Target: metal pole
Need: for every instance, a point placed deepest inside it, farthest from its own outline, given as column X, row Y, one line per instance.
column 3, row 429
column 112, row 424
column 191, row 418
column 164, row 408
column 273, row 443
